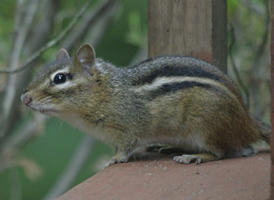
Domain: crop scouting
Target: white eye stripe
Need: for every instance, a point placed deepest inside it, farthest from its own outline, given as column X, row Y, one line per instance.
column 63, row 71
column 65, row 85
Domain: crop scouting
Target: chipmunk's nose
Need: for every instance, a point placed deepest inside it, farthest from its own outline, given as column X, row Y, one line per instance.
column 26, row 99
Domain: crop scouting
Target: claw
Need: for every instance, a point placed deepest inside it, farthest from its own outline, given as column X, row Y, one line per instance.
column 197, row 158
column 198, row 161
column 117, row 159
column 186, row 159
column 112, row 161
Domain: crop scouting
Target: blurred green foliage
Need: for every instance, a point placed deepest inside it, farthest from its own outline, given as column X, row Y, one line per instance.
column 249, row 45
column 52, row 151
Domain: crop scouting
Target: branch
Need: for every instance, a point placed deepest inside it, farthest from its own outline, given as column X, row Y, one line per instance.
column 77, row 161
column 90, row 18
column 51, row 43
column 21, row 36
column 262, row 46
column 15, row 184
column 30, row 130
column 98, row 30
column 235, row 70
column 251, row 6
column 21, row 30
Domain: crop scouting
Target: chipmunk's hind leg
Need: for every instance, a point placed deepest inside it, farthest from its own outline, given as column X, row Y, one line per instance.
column 153, row 147
column 163, row 149
column 197, row 158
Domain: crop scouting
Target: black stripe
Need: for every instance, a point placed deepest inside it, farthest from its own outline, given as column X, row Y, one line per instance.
column 174, row 87
column 162, row 56
column 175, row 71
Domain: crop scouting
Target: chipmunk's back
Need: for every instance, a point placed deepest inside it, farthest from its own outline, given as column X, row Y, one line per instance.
column 181, row 72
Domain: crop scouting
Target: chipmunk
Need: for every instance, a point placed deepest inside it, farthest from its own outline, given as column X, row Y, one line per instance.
column 175, row 101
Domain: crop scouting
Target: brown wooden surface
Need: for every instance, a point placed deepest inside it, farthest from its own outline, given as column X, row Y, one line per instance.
column 162, row 178
column 188, row 27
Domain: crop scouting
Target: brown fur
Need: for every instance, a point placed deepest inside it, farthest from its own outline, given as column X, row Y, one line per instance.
column 168, row 101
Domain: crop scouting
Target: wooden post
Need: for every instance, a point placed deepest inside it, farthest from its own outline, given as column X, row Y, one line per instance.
column 189, row 27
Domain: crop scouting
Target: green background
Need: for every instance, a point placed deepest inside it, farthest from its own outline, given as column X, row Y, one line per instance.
column 53, row 149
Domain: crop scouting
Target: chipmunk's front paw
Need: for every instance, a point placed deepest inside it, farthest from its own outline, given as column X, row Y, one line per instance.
column 117, row 159
column 186, row 159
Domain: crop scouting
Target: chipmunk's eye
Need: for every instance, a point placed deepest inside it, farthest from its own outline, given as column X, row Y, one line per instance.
column 60, row 78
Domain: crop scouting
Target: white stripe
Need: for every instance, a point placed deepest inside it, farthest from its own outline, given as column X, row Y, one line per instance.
column 170, row 80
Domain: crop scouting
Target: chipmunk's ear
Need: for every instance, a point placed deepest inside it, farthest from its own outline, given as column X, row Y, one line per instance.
column 62, row 54
column 85, row 57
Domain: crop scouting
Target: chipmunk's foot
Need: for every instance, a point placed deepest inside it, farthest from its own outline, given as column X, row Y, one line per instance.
column 186, row 159
column 197, row 158
column 117, row 159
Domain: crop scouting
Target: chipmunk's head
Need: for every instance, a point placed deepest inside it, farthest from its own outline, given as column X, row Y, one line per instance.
column 65, row 84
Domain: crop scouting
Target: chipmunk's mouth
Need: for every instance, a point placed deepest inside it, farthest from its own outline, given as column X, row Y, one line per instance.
column 48, row 112
column 43, row 108
column 44, row 111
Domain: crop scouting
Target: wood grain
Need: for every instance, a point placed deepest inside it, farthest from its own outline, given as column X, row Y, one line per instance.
column 188, row 27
